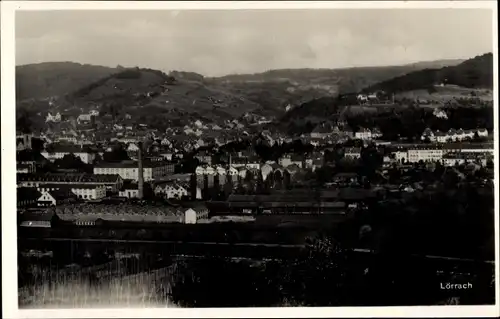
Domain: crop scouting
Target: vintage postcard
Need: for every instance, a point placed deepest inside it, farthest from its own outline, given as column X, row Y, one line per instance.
column 249, row 159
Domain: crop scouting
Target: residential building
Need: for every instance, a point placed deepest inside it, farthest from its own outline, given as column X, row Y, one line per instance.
column 440, row 113
column 364, row 134
column 353, row 152
column 129, row 190
column 26, row 168
column 82, row 191
column 322, row 130
column 24, row 141
column 167, row 155
column 453, row 135
column 221, row 171
column 376, row 133
column 204, row 157
column 174, row 190
column 459, row 158
column 401, row 156
column 285, row 160
column 54, row 198
column 68, row 138
column 232, row 173
column 53, row 118
column 84, row 118
column 59, row 151
column 166, row 142
column 132, row 148
column 242, row 172
column 425, row 154
column 194, row 215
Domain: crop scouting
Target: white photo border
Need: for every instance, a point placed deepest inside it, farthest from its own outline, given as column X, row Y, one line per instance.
column 9, row 236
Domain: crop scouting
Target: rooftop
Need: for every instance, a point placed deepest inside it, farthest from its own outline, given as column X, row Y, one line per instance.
column 69, row 177
column 69, row 186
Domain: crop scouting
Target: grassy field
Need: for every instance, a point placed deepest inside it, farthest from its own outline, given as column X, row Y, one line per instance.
column 76, row 290
column 446, row 93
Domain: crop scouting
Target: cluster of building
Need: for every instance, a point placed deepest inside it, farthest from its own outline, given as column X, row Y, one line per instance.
column 453, row 135
column 55, row 186
column 447, row 154
column 328, row 133
column 374, row 97
column 88, row 215
column 154, row 170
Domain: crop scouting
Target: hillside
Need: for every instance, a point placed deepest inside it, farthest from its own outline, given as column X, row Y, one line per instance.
column 37, row 81
column 303, row 118
column 179, row 94
column 150, row 93
column 274, row 89
column 474, row 73
column 359, row 76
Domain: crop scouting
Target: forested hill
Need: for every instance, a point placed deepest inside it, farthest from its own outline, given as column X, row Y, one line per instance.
column 473, row 73
column 43, row 80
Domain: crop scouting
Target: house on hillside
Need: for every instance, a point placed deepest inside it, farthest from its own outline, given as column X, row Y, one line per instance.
column 322, row 131
column 363, row 134
column 132, row 148
column 362, row 98
column 83, row 118
column 376, row 133
column 353, row 153
column 440, row 113
column 53, row 118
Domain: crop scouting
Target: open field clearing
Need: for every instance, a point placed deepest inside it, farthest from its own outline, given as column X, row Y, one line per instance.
column 447, row 93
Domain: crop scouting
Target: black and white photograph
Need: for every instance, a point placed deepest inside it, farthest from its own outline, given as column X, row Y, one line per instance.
column 178, row 155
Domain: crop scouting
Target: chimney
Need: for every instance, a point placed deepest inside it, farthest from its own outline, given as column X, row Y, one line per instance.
column 27, row 140
column 140, row 173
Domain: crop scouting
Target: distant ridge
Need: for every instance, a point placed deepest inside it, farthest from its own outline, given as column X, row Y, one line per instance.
column 143, row 92
column 282, row 74
column 473, row 73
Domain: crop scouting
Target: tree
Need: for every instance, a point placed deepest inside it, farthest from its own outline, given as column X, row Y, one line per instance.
column 117, row 154
column 70, row 161
column 98, row 158
column 24, row 124
column 489, row 164
column 324, row 174
column 233, row 279
column 371, row 160
column 321, row 278
column 37, row 144
column 189, row 164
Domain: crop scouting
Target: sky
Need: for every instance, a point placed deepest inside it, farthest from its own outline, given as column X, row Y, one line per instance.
column 221, row 42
